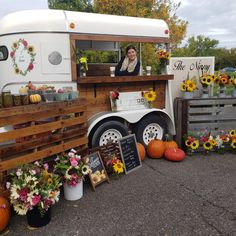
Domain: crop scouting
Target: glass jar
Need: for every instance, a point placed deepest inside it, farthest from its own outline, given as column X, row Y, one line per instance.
column 24, row 99
column 16, row 100
column 7, row 99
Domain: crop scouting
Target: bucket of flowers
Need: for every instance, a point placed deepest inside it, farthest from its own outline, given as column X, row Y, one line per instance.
column 188, row 87
column 33, row 190
column 150, row 97
column 72, row 170
column 163, row 57
column 114, row 166
column 83, row 65
column 206, row 82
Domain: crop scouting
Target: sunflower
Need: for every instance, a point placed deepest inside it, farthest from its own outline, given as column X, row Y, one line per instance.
column 50, row 181
column 17, row 70
column 118, row 167
column 232, row 132
column 85, row 170
column 225, row 139
column 183, row 87
column 223, row 80
column 150, row 96
column 203, row 80
column 194, row 145
column 30, row 49
column 231, row 81
column 209, row 80
column 213, row 77
column 208, row 145
column 233, row 143
column 191, row 85
column 188, row 143
column 213, row 142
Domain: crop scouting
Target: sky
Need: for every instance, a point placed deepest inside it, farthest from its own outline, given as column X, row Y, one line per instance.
column 215, row 19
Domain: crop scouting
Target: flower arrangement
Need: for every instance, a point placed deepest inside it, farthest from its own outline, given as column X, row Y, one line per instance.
column 114, row 166
column 71, row 168
column 114, row 95
column 149, row 96
column 163, row 57
column 188, row 85
column 206, row 80
column 32, row 186
column 83, row 64
column 206, row 143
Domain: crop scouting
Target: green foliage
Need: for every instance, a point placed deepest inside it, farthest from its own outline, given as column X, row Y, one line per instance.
column 71, row 5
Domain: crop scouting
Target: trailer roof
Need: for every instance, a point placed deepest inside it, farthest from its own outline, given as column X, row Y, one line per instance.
column 82, row 23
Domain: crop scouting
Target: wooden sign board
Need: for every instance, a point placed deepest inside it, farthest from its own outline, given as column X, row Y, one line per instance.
column 98, row 172
column 129, row 153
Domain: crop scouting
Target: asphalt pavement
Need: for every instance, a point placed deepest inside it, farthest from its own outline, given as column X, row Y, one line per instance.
column 193, row 197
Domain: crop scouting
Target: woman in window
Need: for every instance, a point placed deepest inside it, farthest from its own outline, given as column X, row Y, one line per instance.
column 129, row 65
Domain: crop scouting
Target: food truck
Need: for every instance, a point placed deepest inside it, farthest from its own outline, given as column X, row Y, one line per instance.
column 41, row 46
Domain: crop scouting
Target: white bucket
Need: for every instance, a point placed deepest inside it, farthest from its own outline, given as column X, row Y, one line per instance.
column 73, row 193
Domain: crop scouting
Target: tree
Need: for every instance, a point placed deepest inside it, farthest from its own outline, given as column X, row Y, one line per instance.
column 71, row 5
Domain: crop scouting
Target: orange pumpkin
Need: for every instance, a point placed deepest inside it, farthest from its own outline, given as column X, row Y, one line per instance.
column 141, row 151
column 174, row 154
column 35, row 98
column 4, row 213
column 171, row 144
column 155, row 148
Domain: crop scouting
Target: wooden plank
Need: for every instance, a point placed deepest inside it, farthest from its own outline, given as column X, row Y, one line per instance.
column 224, row 126
column 75, row 143
column 117, row 38
column 213, row 101
column 32, row 130
column 123, row 79
column 74, row 121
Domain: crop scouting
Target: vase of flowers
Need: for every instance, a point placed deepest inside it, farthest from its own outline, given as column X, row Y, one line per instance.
column 72, row 170
column 223, row 81
column 83, row 66
column 163, row 57
column 188, row 87
column 33, row 191
column 114, row 96
column 150, row 97
column 206, row 82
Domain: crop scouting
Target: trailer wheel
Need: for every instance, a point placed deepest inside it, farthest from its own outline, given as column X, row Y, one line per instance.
column 149, row 128
column 108, row 132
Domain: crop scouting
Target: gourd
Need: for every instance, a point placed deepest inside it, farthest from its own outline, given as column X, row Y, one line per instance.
column 174, row 154
column 35, row 98
column 23, row 90
column 141, row 151
column 155, row 148
column 170, row 143
column 4, row 213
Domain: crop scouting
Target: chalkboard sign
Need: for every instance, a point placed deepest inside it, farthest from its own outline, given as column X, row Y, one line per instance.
column 129, row 153
column 98, row 172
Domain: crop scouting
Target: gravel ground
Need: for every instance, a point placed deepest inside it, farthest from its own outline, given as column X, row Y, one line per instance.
column 193, row 197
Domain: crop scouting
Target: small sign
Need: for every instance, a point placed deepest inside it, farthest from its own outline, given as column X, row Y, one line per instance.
column 98, row 172
column 129, row 153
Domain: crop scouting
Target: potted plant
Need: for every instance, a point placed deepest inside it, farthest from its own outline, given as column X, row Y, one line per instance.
column 33, row 190
column 188, row 87
column 72, row 170
column 206, row 81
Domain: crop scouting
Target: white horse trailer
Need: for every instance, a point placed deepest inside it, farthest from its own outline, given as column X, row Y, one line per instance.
column 38, row 46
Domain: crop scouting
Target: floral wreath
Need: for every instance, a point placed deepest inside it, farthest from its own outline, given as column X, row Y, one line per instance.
column 30, row 51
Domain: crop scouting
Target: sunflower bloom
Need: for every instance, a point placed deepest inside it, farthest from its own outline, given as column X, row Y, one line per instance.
column 194, row 145
column 213, row 142
column 207, row 145
column 233, row 144
column 232, row 133
column 150, row 96
column 188, row 143
column 183, row 87
column 118, row 167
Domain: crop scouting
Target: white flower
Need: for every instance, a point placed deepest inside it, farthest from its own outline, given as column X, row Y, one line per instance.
column 31, row 179
column 37, row 163
column 32, row 172
column 71, row 154
column 54, row 196
column 8, row 185
column 21, row 210
column 14, row 191
column 85, row 170
column 78, row 157
column 219, row 141
column 73, row 150
column 57, row 158
column 19, row 172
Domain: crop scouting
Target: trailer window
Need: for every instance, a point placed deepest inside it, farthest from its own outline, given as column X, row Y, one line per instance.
column 3, row 53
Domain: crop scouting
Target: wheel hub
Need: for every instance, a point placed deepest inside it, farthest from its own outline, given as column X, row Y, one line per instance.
column 110, row 136
column 152, row 131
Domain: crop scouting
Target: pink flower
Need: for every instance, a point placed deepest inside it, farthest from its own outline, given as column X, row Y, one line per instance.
column 23, row 194
column 12, row 54
column 71, row 154
column 73, row 162
column 31, row 66
column 25, row 43
column 36, row 199
column 47, row 203
column 45, row 166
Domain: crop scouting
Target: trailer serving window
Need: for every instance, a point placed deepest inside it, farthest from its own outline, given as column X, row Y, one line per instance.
column 3, row 53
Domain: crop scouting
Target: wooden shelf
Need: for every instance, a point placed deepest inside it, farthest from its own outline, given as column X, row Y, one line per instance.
column 122, row 79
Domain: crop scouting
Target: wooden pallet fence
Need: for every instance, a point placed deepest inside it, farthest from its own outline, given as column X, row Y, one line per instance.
column 41, row 130
column 213, row 114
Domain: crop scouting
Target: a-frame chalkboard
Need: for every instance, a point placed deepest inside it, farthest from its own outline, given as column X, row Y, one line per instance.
column 129, row 153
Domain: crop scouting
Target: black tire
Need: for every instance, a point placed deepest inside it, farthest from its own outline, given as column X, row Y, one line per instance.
column 115, row 127
column 154, row 126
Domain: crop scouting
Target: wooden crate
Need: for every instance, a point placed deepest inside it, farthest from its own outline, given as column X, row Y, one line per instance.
column 214, row 114
column 41, row 130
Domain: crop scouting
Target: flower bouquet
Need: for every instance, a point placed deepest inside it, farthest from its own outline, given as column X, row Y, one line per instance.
column 114, row 166
column 163, row 57
column 72, row 170
column 83, row 65
column 150, row 96
column 206, row 80
column 114, row 95
column 188, row 86
column 34, row 189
